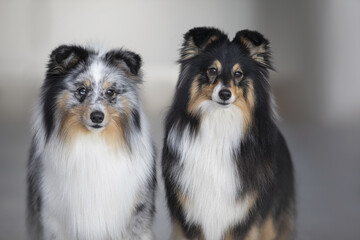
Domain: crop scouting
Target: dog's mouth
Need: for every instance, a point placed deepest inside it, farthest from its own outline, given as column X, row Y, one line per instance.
column 97, row 126
column 224, row 104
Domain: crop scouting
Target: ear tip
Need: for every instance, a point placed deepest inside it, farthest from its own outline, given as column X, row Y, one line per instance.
column 64, row 50
column 137, row 59
column 201, row 31
column 131, row 59
column 254, row 36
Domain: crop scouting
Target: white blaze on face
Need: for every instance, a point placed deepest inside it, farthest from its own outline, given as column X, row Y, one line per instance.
column 215, row 94
column 96, row 72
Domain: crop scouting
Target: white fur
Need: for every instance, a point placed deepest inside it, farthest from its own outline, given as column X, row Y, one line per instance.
column 209, row 176
column 215, row 95
column 89, row 190
column 96, row 71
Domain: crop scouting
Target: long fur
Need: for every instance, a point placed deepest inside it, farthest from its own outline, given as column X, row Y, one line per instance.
column 90, row 179
column 226, row 166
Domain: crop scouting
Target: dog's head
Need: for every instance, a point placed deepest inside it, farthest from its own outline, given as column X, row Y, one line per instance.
column 86, row 91
column 224, row 73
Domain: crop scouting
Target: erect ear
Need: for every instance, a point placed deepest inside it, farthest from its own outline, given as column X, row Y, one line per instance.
column 64, row 58
column 198, row 39
column 257, row 46
column 126, row 60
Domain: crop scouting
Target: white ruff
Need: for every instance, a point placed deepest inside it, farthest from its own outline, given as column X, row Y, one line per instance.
column 89, row 190
column 209, row 175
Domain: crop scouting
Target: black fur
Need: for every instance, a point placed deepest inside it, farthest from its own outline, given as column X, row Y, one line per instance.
column 262, row 158
column 64, row 60
column 132, row 60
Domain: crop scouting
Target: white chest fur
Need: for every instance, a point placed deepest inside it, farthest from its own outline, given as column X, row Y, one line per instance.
column 209, row 177
column 89, row 191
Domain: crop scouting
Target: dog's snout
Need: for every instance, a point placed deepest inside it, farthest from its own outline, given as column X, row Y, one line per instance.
column 225, row 94
column 97, row 117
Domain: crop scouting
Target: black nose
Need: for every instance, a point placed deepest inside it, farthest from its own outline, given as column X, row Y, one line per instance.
column 97, row 117
column 225, row 94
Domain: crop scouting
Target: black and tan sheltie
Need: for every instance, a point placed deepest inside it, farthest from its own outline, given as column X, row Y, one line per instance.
column 226, row 166
column 91, row 171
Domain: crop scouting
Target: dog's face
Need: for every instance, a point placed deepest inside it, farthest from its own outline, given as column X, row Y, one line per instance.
column 224, row 73
column 86, row 91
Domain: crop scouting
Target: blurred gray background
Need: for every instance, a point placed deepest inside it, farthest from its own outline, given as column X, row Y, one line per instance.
column 316, row 54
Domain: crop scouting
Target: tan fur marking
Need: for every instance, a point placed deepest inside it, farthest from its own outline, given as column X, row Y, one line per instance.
column 246, row 105
column 255, row 51
column 114, row 133
column 190, row 49
column 182, row 198
column 254, row 232
column 197, row 96
column 126, row 109
column 236, row 67
column 178, row 233
column 267, row 230
column 87, row 83
column 57, row 69
column 106, row 84
column 62, row 102
column 228, row 236
column 217, row 65
column 286, row 227
column 123, row 67
column 71, row 124
column 252, row 48
column 250, row 198
column 211, row 39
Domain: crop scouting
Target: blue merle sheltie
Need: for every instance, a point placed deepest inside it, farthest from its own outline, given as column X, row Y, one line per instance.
column 91, row 171
column 226, row 166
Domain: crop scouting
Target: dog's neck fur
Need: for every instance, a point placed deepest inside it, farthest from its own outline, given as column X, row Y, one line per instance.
column 90, row 190
column 209, row 177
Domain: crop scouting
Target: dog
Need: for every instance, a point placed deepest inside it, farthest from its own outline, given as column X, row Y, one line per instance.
column 91, row 170
column 226, row 166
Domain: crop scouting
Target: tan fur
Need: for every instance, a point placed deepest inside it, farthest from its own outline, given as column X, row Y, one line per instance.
column 191, row 50
column 286, row 227
column 197, row 95
column 236, row 67
column 114, row 133
column 178, row 233
column 121, row 64
column 182, row 198
column 106, row 84
column 72, row 122
column 87, row 83
column 267, row 230
column 245, row 104
column 62, row 101
column 211, row 39
column 253, row 233
column 255, row 51
column 250, row 198
column 217, row 65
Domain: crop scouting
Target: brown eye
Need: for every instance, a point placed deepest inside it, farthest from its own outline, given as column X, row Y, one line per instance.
column 238, row 74
column 110, row 93
column 82, row 91
column 213, row 71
